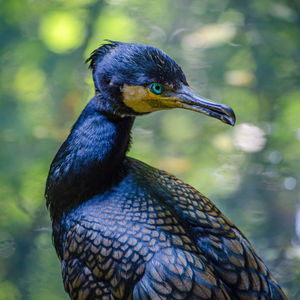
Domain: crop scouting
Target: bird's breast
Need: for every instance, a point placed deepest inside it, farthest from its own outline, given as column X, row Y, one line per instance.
column 117, row 234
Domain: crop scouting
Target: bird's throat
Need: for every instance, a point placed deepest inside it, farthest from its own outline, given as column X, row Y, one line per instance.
column 89, row 161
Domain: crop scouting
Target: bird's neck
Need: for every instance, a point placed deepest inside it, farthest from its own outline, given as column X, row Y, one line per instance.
column 90, row 160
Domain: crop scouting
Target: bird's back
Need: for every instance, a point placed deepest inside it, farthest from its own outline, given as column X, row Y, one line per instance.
column 151, row 236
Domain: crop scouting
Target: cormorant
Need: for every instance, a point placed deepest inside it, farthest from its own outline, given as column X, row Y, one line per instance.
column 125, row 230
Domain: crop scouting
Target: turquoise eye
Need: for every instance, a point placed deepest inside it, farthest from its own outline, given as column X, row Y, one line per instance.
column 156, row 88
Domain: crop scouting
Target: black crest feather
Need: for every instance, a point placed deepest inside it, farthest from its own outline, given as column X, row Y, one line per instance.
column 98, row 54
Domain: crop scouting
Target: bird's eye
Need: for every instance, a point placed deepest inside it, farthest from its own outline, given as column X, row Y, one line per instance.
column 156, row 88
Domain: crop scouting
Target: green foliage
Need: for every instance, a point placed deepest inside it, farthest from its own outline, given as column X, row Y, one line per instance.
column 244, row 54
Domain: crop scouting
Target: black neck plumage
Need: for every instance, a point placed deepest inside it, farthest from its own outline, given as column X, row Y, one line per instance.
column 90, row 160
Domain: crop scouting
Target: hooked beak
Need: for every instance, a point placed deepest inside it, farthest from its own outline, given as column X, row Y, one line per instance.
column 186, row 98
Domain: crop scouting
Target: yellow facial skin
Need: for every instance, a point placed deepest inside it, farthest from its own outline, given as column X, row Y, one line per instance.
column 142, row 100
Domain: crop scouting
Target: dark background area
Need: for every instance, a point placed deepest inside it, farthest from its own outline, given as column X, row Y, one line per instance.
column 245, row 54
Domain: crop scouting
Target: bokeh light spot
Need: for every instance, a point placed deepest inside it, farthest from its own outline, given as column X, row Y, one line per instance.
column 112, row 25
column 174, row 164
column 9, row 291
column 29, row 83
column 249, row 138
column 62, row 31
column 275, row 157
column 239, row 77
column 283, row 12
column 223, row 142
column 290, row 183
column 210, row 36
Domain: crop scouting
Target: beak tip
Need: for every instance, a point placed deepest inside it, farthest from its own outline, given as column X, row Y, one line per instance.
column 189, row 100
column 229, row 116
column 229, row 120
column 232, row 120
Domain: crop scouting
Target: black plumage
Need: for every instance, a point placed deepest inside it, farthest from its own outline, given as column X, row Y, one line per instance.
column 125, row 230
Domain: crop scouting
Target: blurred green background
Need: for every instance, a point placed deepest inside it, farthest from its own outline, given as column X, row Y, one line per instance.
column 242, row 53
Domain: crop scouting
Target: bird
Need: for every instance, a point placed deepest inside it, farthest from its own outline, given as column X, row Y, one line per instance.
column 125, row 230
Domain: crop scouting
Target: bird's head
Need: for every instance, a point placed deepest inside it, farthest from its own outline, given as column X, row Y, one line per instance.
column 138, row 79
